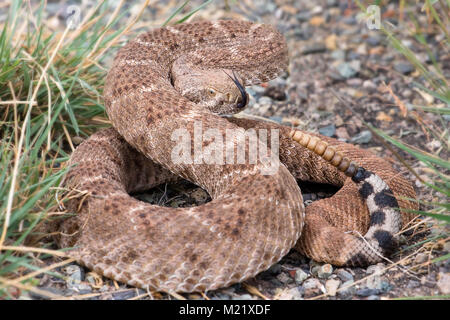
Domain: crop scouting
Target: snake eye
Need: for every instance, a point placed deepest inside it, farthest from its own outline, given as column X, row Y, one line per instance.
column 211, row 92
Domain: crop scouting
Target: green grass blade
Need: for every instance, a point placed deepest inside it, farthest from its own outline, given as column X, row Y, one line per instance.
column 422, row 156
column 193, row 12
column 442, row 217
column 177, row 11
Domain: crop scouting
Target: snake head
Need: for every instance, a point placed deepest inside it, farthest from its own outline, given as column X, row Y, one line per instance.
column 221, row 91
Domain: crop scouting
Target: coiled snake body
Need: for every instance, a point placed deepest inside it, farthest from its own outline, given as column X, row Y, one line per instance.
column 177, row 77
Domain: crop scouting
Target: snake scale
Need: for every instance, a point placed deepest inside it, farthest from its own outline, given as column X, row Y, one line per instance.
column 177, row 77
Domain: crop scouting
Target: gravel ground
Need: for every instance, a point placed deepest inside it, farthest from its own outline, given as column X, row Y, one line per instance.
column 332, row 54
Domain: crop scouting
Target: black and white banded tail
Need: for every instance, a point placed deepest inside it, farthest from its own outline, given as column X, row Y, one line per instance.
column 385, row 217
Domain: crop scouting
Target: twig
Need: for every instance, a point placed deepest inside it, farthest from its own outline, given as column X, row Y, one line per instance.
column 38, row 250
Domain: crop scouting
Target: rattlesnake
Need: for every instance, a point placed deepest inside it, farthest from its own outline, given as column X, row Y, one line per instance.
column 180, row 76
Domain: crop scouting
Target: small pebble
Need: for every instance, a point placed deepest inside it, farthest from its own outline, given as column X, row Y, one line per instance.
column 367, row 84
column 309, row 197
column 330, row 42
column 304, row 33
column 444, row 282
column 276, row 93
column 291, row 294
column 413, row 284
column 265, row 101
column 77, row 140
column 276, row 119
column 361, row 50
column 76, row 275
column 374, row 282
column 350, row 291
column 278, row 82
column 313, row 287
column 314, row 48
column 303, row 16
column 311, row 283
column 344, row 275
column 428, row 280
column 221, row 296
column 251, row 92
column 315, row 270
column 274, row 270
column 51, row 290
column 446, row 246
column 328, row 131
column 350, row 20
column 75, row 272
column 338, row 55
column 104, row 288
column 284, row 278
column 124, row 295
column 376, row 268
column 332, row 3
column 432, row 146
column 314, row 263
column 355, row 65
column 354, row 82
column 353, row 56
column 317, row 21
column 385, row 286
column 257, row 89
column 407, row 93
column 84, row 288
column 407, row 43
column 362, row 137
column 332, row 285
column 338, row 121
column 373, row 41
column 300, row 276
column 345, row 70
column 421, row 258
column 317, row 9
column 404, row 67
column 276, row 283
column 365, row 292
column 325, row 271
column 342, row 134
column 91, row 279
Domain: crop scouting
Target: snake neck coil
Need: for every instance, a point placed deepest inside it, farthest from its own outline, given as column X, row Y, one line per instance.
column 329, row 154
